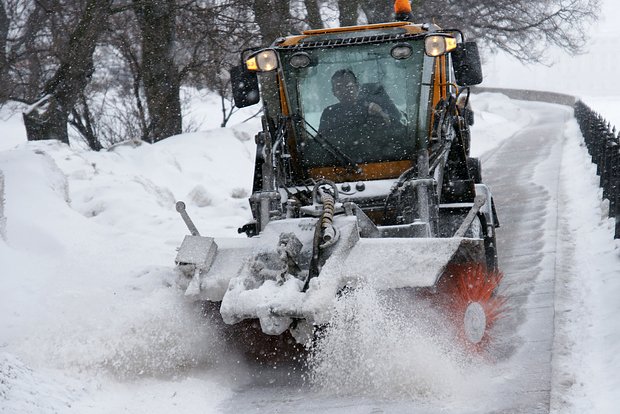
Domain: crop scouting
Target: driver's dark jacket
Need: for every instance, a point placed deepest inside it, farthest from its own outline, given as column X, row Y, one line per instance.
column 345, row 122
column 354, row 131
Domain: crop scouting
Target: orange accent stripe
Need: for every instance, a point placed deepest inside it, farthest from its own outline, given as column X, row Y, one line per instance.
column 415, row 28
column 354, row 28
column 370, row 171
column 444, row 77
column 291, row 41
column 283, row 100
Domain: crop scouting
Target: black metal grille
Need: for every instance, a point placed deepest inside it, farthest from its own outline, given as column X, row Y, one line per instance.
column 328, row 43
column 603, row 145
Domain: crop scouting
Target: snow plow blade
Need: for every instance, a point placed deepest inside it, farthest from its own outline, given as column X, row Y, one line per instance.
column 262, row 277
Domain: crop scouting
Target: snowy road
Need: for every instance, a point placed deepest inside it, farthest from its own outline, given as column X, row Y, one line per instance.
column 524, row 174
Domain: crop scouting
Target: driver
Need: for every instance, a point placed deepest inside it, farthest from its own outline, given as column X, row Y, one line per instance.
column 352, row 110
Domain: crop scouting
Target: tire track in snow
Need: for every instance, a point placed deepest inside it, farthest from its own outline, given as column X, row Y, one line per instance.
column 524, row 176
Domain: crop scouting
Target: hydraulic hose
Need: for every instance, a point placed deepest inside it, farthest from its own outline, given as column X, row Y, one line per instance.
column 325, row 233
column 327, row 219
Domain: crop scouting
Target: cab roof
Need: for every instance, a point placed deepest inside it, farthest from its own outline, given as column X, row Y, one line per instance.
column 354, row 34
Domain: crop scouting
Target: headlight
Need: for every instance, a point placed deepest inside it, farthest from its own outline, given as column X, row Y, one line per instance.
column 402, row 51
column 264, row 61
column 437, row 45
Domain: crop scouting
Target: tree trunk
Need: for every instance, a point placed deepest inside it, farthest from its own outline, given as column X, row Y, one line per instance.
column 48, row 119
column 378, row 11
column 347, row 10
column 4, row 70
column 273, row 18
column 314, row 15
column 160, row 76
column 50, row 123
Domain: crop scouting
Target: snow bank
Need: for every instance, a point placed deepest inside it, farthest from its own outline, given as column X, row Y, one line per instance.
column 88, row 266
column 23, row 390
column 2, row 217
column 587, row 356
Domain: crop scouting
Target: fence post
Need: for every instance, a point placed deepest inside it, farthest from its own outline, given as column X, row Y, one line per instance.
column 606, row 164
column 600, row 145
column 614, row 185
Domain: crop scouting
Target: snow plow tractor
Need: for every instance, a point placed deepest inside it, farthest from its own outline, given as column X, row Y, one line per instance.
column 362, row 176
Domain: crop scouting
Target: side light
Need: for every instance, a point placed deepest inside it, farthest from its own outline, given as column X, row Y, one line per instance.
column 437, row 45
column 251, row 65
column 450, row 44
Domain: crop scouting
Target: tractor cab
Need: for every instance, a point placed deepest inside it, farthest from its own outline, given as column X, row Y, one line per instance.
column 398, row 118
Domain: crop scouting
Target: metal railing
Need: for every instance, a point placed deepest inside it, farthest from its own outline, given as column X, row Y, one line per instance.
column 603, row 146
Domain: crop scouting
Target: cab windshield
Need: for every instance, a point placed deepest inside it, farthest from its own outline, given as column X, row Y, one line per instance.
column 356, row 104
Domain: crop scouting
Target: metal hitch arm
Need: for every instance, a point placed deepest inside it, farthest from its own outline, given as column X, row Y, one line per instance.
column 180, row 206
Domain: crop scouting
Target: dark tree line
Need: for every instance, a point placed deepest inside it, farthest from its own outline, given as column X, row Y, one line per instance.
column 115, row 69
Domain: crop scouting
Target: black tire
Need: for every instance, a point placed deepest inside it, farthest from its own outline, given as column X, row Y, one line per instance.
column 475, row 169
column 490, row 245
column 490, row 249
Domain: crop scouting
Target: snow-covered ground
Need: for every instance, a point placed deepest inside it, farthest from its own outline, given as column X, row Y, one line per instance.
column 91, row 320
column 587, row 353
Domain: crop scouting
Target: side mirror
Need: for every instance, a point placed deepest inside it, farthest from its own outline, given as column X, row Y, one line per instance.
column 466, row 63
column 244, row 86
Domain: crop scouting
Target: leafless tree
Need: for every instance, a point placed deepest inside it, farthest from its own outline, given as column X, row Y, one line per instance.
column 273, row 17
column 48, row 58
column 208, row 36
column 348, row 12
column 211, row 38
column 313, row 14
column 4, row 69
column 160, row 76
column 113, row 69
column 522, row 28
column 378, row 11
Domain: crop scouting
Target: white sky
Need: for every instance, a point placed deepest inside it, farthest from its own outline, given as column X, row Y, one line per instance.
column 591, row 74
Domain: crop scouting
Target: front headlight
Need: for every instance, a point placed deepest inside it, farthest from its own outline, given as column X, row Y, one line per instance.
column 263, row 61
column 437, row 45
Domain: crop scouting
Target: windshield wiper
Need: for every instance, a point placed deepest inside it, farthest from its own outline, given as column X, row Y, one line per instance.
column 328, row 146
